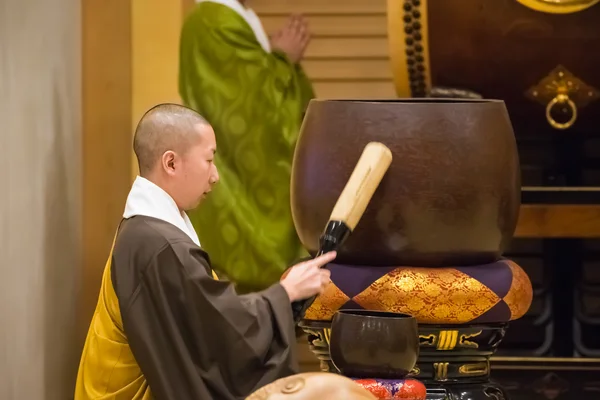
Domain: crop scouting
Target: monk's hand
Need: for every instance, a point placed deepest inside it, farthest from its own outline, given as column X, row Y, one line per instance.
column 293, row 38
column 307, row 278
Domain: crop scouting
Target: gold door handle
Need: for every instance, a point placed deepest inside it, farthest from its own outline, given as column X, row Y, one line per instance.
column 561, row 99
column 560, row 88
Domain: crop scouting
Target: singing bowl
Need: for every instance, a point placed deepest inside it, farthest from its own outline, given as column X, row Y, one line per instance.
column 450, row 197
column 310, row 386
column 374, row 344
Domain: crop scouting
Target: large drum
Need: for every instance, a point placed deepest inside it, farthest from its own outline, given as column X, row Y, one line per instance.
column 537, row 55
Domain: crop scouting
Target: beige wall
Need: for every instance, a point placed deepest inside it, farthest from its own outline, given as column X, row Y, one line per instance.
column 40, row 201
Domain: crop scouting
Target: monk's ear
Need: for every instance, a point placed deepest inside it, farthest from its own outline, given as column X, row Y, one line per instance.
column 168, row 161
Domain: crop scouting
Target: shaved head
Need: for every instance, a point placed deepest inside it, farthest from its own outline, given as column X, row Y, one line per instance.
column 162, row 128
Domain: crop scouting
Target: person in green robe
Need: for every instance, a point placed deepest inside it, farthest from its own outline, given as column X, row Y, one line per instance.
column 253, row 91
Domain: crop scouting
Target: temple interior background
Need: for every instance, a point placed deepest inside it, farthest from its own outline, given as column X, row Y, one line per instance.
column 75, row 76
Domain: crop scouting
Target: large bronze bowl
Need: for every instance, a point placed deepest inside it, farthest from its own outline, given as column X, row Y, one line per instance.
column 451, row 196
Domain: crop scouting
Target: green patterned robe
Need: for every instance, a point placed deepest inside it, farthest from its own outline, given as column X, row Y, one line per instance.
column 255, row 102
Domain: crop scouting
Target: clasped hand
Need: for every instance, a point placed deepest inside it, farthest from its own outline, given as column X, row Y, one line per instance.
column 293, row 38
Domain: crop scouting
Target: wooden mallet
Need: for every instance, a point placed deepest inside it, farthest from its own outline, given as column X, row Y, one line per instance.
column 351, row 205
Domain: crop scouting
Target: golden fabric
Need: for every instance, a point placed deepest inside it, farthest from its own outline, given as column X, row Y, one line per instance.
column 106, row 349
column 326, row 304
column 433, row 295
column 520, row 294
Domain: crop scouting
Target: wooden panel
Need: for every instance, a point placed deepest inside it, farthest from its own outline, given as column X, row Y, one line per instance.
column 556, row 221
column 107, row 112
column 155, row 54
column 306, row 358
column 354, row 90
column 155, row 57
column 186, row 7
column 366, row 70
column 348, row 56
column 319, row 6
column 334, row 25
column 347, row 48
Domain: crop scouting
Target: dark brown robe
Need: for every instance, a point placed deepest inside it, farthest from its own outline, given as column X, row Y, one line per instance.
column 192, row 336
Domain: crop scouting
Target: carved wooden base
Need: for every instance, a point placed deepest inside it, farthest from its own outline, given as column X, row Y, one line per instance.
column 454, row 360
column 466, row 391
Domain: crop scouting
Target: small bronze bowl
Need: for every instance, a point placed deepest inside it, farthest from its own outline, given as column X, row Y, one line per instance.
column 374, row 344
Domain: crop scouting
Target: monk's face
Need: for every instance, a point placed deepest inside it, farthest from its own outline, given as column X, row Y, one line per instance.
column 198, row 173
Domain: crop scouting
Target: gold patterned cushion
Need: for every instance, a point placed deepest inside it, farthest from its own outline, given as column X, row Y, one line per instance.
column 496, row 292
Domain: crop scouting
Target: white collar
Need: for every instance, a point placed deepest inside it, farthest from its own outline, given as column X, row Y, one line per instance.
column 250, row 17
column 148, row 199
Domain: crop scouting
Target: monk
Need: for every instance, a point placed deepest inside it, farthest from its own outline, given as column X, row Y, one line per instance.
column 253, row 91
column 164, row 327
